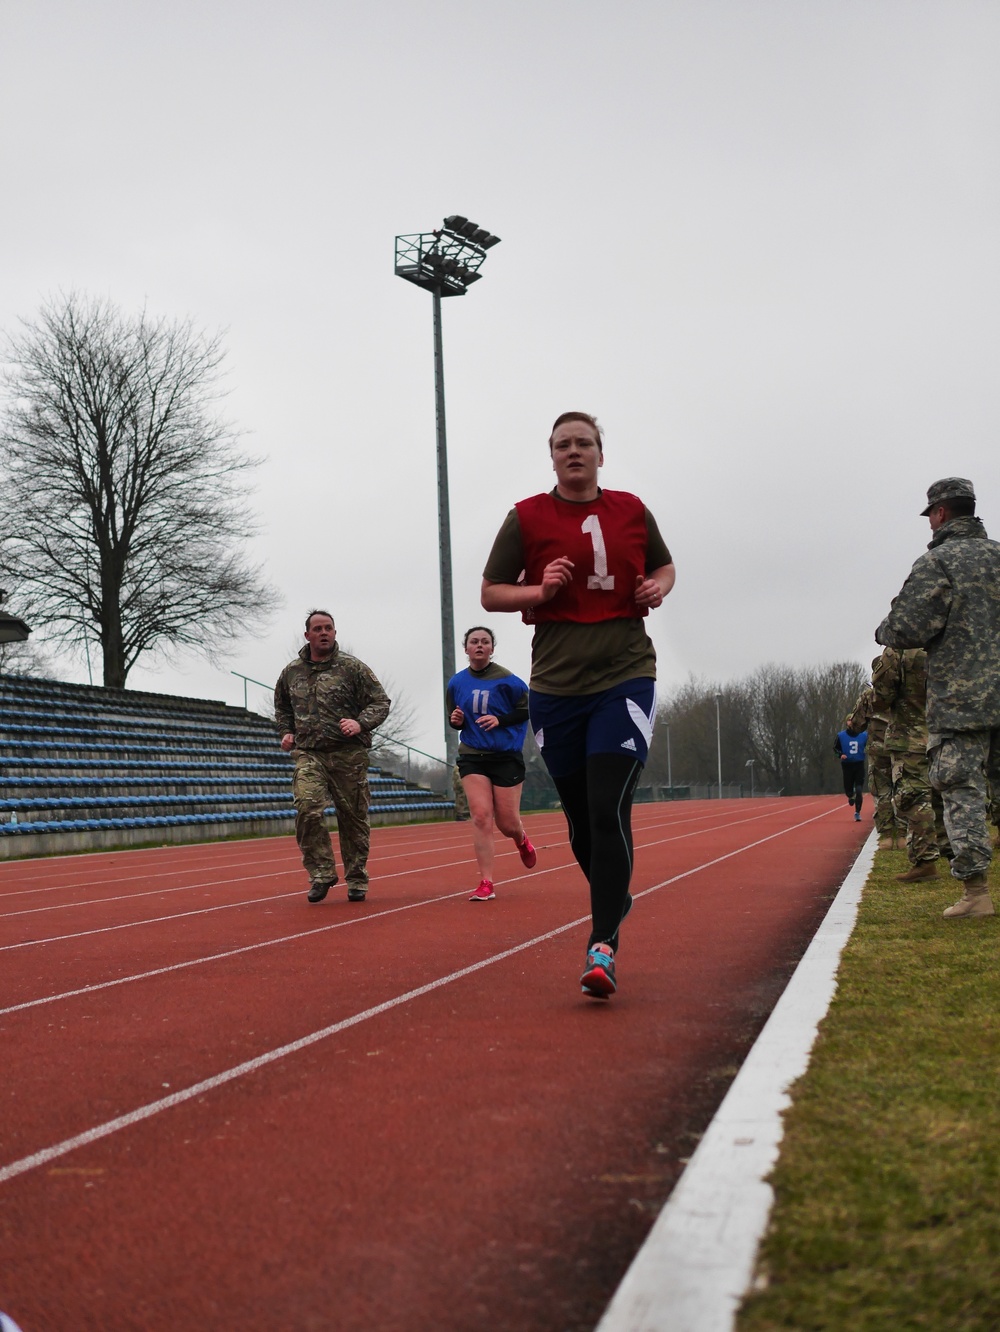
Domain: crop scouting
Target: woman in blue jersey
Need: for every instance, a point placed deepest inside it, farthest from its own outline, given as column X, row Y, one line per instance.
column 489, row 706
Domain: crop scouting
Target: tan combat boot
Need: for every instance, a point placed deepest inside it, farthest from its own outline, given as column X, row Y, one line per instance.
column 975, row 899
column 886, row 844
column 924, row 869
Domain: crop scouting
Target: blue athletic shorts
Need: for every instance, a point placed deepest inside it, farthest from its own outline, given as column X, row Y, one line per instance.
column 616, row 721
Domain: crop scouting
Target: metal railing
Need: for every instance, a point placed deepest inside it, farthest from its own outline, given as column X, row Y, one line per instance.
column 410, row 749
column 251, row 680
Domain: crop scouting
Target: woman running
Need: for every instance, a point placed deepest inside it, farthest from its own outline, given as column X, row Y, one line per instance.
column 585, row 566
column 489, row 705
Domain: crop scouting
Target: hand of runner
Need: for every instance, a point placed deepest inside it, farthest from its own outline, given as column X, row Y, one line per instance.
column 555, row 576
column 647, row 592
column 487, row 721
column 349, row 726
column 457, row 717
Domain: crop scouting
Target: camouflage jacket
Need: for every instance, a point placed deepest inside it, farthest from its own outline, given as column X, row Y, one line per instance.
column 950, row 604
column 900, row 684
column 311, row 699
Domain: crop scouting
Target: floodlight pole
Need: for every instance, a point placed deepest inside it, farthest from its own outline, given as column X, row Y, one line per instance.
column 444, row 262
column 718, row 738
column 444, row 527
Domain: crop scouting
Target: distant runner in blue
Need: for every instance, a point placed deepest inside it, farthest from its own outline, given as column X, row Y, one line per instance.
column 851, row 748
column 489, row 706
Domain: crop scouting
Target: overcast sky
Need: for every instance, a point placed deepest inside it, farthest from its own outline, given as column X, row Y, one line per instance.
column 758, row 239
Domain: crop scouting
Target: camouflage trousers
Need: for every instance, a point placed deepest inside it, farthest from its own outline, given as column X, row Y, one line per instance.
column 880, row 786
column 338, row 778
column 461, row 799
column 919, row 807
column 962, row 765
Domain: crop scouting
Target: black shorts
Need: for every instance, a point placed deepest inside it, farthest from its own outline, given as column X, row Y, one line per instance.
column 504, row 769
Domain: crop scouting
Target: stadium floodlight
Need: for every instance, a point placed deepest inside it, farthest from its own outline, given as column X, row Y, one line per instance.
column 12, row 630
column 445, row 263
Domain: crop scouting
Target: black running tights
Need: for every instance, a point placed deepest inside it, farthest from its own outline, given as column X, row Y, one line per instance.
column 854, row 783
column 597, row 801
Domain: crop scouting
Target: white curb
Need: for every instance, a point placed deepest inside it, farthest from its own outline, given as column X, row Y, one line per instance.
column 698, row 1260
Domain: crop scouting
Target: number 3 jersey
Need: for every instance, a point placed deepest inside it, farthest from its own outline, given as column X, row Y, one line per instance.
column 589, row 636
column 496, row 691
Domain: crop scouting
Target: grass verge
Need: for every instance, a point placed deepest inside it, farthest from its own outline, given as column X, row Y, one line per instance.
column 887, row 1188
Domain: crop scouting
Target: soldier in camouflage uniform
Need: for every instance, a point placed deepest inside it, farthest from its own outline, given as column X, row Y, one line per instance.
column 900, row 684
column 461, row 799
column 863, row 717
column 326, row 705
column 950, row 604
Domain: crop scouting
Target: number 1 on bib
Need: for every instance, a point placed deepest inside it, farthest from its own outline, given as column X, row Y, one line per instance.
column 600, row 580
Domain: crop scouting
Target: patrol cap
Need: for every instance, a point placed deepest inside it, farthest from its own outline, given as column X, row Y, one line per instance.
column 952, row 487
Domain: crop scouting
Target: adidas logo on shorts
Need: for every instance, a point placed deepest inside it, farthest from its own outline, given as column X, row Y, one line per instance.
column 629, row 744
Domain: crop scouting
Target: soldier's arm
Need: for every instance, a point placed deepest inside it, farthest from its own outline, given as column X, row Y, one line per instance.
column 886, row 678
column 861, row 714
column 377, row 703
column 920, row 612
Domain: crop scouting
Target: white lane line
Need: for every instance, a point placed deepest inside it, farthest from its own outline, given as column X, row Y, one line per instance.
column 698, row 1260
column 147, row 1111
column 276, row 897
column 231, row 952
column 285, row 863
column 261, row 1061
column 290, row 869
column 198, row 911
column 285, row 867
column 152, row 920
column 139, row 897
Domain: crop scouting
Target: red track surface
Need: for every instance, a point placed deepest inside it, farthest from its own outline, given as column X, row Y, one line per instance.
column 465, row 1143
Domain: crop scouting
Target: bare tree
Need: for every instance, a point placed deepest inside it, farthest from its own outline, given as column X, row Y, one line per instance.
column 782, row 718
column 389, row 741
column 776, row 724
column 25, row 659
column 123, row 517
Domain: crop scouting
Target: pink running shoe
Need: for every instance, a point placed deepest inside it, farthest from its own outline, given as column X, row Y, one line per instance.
column 527, row 853
column 484, row 893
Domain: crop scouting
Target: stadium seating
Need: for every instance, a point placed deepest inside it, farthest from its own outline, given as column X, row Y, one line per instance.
column 83, row 767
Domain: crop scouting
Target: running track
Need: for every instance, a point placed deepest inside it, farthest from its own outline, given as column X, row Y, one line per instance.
column 224, row 1108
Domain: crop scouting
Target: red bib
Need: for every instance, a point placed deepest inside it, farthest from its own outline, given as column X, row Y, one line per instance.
column 606, row 540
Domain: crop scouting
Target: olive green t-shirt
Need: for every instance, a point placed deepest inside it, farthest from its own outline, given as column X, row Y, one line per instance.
column 569, row 658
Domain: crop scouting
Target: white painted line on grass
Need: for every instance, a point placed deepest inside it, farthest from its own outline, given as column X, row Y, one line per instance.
column 100, row 1131
column 697, row 1261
